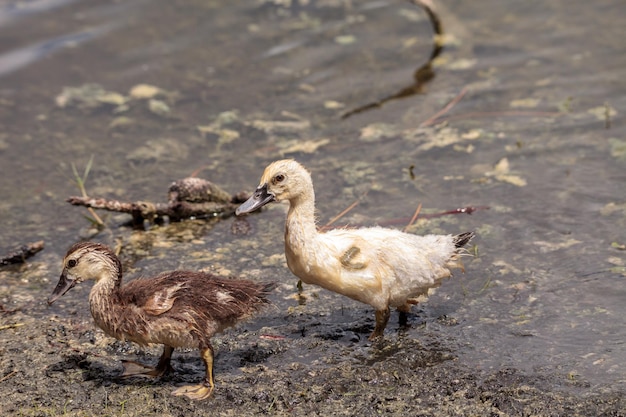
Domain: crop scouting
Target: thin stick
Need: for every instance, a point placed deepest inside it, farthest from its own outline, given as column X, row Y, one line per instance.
column 417, row 212
column 343, row 213
column 198, row 171
column 4, row 378
column 513, row 113
column 22, row 253
column 11, row 326
column 462, row 210
column 339, row 216
column 423, row 74
column 433, row 119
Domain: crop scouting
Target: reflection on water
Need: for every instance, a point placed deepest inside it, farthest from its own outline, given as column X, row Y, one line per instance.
column 12, row 11
column 257, row 81
column 19, row 58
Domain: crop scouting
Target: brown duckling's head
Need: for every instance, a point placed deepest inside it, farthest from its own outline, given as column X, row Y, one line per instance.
column 282, row 180
column 84, row 261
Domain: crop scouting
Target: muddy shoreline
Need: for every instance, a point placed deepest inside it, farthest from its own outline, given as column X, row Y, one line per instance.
column 298, row 364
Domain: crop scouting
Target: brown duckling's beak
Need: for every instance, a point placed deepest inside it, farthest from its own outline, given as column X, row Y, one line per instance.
column 65, row 284
column 260, row 198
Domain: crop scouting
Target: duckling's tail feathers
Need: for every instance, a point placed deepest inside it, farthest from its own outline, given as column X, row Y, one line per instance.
column 463, row 239
column 268, row 287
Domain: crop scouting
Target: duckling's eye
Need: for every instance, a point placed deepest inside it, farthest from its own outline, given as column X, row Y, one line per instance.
column 71, row 263
column 279, row 178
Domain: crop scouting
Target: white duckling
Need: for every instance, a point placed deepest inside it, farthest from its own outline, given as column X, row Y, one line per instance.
column 377, row 266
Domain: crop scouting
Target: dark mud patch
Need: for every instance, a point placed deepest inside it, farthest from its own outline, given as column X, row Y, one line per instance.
column 62, row 366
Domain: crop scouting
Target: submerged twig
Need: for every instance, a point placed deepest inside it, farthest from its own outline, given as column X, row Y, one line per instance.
column 392, row 222
column 460, row 210
column 434, row 118
column 417, row 212
column 512, row 113
column 340, row 215
column 22, row 253
column 343, row 213
column 423, row 74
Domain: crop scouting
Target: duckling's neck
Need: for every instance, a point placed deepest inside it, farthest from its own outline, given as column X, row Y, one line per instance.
column 300, row 238
column 105, row 302
column 300, row 225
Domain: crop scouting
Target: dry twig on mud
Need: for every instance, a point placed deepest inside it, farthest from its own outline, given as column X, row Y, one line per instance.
column 11, row 326
column 22, row 253
column 4, row 378
column 188, row 198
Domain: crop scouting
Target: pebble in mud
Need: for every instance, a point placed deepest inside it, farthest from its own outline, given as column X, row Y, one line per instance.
column 241, row 227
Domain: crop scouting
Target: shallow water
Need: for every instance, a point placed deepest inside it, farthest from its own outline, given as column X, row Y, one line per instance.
column 538, row 137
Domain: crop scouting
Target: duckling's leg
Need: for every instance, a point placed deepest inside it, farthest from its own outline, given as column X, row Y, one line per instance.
column 382, row 317
column 204, row 390
column 137, row 369
column 403, row 316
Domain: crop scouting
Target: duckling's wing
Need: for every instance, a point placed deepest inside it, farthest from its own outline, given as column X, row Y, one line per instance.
column 154, row 296
column 398, row 259
column 162, row 301
column 352, row 259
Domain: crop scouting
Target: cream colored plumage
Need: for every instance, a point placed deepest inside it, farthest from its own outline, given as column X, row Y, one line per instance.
column 377, row 266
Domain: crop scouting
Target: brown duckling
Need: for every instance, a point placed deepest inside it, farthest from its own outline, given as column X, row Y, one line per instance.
column 179, row 309
column 377, row 266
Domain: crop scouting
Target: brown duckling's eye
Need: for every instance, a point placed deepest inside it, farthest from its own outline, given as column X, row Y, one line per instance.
column 71, row 263
column 279, row 178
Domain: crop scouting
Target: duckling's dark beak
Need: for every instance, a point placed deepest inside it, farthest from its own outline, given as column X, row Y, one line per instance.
column 260, row 198
column 65, row 284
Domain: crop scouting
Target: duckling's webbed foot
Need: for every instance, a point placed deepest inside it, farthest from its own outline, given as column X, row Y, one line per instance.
column 195, row 392
column 132, row 368
column 382, row 318
column 204, row 390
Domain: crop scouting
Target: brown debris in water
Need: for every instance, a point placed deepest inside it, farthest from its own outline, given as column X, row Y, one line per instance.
column 187, row 198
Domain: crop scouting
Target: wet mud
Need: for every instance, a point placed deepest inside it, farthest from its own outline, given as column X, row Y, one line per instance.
column 302, row 365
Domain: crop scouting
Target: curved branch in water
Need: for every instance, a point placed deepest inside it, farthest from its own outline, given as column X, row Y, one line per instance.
column 423, row 74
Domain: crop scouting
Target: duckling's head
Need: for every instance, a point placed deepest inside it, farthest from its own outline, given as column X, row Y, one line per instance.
column 83, row 261
column 281, row 180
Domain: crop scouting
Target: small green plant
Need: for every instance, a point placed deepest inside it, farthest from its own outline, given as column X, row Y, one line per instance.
column 80, row 183
column 122, row 404
column 67, row 402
